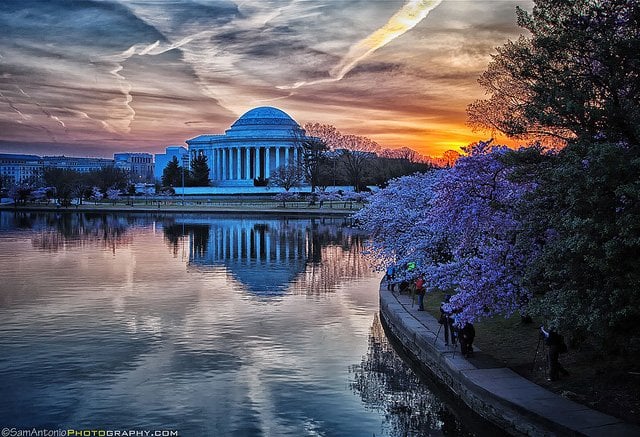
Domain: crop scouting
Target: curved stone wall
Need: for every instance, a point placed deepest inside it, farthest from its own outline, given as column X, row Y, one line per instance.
column 498, row 394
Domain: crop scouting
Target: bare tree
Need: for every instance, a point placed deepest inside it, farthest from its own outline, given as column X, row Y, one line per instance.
column 287, row 176
column 326, row 132
column 313, row 156
column 356, row 156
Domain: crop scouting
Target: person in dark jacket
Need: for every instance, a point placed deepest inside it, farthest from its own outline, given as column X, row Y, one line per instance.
column 466, row 336
column 555, row 345
column 446, row 320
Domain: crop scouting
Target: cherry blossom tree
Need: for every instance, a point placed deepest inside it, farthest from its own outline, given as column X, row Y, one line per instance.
column 113, row 194
column 96, row 195
column 462, row 228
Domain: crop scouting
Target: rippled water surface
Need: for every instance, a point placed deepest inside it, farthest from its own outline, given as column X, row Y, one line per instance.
column 206, row 325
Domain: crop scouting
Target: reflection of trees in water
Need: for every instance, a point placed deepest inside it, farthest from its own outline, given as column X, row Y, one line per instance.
column 385, row 383
column 173, row 233
column 55, row 232
column 333, row 263
column 200, row 237
column 334, row 254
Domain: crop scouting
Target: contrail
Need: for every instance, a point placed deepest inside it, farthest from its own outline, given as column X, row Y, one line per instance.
column 44, row 111
column 102, row 123
column 12, row 106
column 412, row 13
column 27, row 117
column 152, row 49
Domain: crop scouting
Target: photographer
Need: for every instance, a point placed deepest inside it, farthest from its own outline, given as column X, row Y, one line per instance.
column 555, row 346
column 446, row 320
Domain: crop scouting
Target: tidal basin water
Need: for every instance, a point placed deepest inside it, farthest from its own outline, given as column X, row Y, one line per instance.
column 210, row 326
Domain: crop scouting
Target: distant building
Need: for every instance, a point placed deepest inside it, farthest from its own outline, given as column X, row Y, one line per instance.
column 261, row 140
column 162, row 159
column 82, row 165
column 139, row 165
column 18, row 168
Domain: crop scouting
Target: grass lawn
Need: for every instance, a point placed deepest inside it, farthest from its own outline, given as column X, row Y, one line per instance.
column 607, row 384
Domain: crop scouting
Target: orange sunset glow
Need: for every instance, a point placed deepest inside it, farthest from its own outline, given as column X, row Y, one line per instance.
column 94, row 78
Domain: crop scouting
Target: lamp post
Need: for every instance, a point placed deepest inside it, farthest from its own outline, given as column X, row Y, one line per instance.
column 182, row 172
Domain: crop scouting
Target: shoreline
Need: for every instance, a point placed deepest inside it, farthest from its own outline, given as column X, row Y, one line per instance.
column 242, row 208
column 492, row 390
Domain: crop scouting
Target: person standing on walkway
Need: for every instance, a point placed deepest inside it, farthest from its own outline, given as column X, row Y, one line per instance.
column 446, row 320
column 555, row 346
column 390, row 277
column 420, row 291
column 467, row 335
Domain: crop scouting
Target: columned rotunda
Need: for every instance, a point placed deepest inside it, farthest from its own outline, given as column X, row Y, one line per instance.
column 261, row 140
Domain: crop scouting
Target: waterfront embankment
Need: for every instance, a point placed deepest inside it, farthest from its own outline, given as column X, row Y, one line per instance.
column 497, row 393
column 231, row 206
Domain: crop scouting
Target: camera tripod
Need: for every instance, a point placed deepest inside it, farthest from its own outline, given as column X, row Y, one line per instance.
column 535, row 357
column 452, row 335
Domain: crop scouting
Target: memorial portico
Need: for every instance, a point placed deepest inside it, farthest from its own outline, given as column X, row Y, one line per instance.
column 260, row 141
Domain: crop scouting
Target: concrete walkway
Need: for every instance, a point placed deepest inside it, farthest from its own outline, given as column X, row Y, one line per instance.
column 497, row 393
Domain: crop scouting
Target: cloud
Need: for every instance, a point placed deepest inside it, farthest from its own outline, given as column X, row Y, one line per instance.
column 135, row 73
column 401, row 22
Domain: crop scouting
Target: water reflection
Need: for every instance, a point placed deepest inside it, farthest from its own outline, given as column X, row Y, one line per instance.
column 56, row 232
column 140, row 338
column 269, row 255
column 386, row 384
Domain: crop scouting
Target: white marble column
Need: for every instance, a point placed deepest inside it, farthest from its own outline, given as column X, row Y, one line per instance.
column 238, row 164
column 267, row 171
column 277, row 156
column 295, row 154
column 247, row 163
column 221, row 164
column 230, row 162
column 215, row 164
column 223, row 167
column 286, row 155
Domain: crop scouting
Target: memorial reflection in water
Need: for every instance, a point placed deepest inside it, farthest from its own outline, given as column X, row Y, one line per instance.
column 269, row 256
column 212, row 325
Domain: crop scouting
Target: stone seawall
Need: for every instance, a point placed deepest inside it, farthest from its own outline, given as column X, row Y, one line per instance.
column 498, row 394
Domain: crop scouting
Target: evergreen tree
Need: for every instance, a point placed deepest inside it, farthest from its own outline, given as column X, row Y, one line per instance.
column 199, row 172
column 171, row 174
column 585, row 212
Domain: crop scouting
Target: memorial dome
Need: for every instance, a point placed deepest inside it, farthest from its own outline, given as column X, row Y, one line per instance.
column 264, row 120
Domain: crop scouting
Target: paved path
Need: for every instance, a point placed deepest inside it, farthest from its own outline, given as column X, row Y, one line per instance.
column 500, row 387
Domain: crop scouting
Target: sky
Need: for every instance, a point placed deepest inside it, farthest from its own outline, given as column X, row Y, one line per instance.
column 91, row 78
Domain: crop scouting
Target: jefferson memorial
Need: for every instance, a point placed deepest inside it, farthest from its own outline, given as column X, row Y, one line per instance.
column 260, row 141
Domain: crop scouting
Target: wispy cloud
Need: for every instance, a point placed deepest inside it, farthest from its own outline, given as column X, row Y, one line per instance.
column 136, row 74
column 401, row 22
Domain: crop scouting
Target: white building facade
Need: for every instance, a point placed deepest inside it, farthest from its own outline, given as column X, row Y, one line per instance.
column 260, row 141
